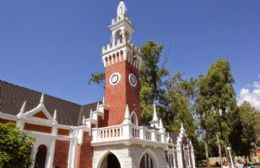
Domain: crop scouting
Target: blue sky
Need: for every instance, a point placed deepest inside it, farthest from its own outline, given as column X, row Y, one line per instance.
column 54, row 45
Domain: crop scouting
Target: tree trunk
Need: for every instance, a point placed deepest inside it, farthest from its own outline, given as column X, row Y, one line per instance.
column 207, row 152
column 219, row 151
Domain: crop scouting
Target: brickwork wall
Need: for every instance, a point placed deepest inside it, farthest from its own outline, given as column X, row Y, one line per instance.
column 102, row 122
column 61, row 154
column 63, row 132
column 118, row 96
column 85, row 152
column 40, row 128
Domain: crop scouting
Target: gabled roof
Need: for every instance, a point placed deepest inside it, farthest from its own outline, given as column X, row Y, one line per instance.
column 68, row 113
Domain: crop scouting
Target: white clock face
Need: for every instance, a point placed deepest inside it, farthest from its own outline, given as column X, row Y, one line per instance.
column 132, row 80
column 114, row 78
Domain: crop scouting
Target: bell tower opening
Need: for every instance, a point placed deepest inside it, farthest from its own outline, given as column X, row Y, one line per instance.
column 122, row 62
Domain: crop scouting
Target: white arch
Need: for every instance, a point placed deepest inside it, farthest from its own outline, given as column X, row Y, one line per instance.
column 152, row 155
column 102, row 157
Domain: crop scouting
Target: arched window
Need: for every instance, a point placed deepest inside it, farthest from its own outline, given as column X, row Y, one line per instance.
column 40, row 158
column 118, row 36
column 134, row 119
column 146, row 162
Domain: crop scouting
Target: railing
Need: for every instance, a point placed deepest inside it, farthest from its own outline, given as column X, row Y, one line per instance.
column 107, row 133
column 126, row 132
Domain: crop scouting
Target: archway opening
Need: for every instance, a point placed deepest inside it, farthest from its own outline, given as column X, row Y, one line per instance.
column 40, row 158
column 110, row 161
column 147, row 161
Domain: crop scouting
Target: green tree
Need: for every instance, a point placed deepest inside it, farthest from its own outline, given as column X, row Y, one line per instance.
column 97, row 78
column 15, row 147
column 257, row 127
column 215, row 104
column 180, row 94
column 152, row 78
column 243, row 134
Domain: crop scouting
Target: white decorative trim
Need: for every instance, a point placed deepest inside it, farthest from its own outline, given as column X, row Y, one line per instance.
column 119, row 78
column 39, row 108
column 8, row 117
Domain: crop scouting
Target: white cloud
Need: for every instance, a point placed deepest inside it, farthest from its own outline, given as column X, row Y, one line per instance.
column 251, row 94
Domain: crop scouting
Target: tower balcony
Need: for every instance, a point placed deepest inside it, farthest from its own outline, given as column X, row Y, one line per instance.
column 129, row 134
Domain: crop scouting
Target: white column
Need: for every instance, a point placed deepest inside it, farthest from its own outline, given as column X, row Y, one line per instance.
column 33, row 154
column 127, row 132
column 163, row 137
column 20, row 124
column 193, row 157
column 142, row 133
column 179, row 155
column 72, row 150
column 51, row 149
column 153, row 135
column 95, row 136
column 174, row 160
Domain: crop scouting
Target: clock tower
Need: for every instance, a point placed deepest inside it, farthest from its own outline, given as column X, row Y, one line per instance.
column 122, row 63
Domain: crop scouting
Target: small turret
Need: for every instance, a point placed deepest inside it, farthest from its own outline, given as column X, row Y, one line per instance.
column 155, row 121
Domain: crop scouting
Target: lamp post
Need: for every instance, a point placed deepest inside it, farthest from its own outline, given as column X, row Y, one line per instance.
column 230, row 157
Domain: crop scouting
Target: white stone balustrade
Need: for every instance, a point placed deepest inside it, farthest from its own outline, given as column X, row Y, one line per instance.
column 127, row 132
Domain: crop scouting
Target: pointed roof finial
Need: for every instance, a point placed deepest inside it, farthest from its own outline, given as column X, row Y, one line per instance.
column 55, row 115
column 22, row 110
column 182, row 130
column 23, row 107
column 83, row 119
column 127, row 113
column 155, row 117
column 42, row 99
column 97, row 105
column 91, row 113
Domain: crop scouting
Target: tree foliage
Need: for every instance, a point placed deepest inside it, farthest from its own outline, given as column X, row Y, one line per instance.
column 257, row 127
column 215, row 105
column 180, row 94
column 97, row 78
column 243, row 133
column 15, row 147
column 152, row 76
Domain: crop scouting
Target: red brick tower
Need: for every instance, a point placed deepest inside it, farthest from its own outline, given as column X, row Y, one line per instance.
column 122, row 63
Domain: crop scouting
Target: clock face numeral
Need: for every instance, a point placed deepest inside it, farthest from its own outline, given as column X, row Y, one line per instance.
column 114, row 78
column 132, row 80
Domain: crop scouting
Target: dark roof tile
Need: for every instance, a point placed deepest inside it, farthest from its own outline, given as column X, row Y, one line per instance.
column 68, row 113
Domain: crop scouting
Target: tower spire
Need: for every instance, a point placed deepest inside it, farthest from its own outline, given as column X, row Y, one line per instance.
column 121, row 9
